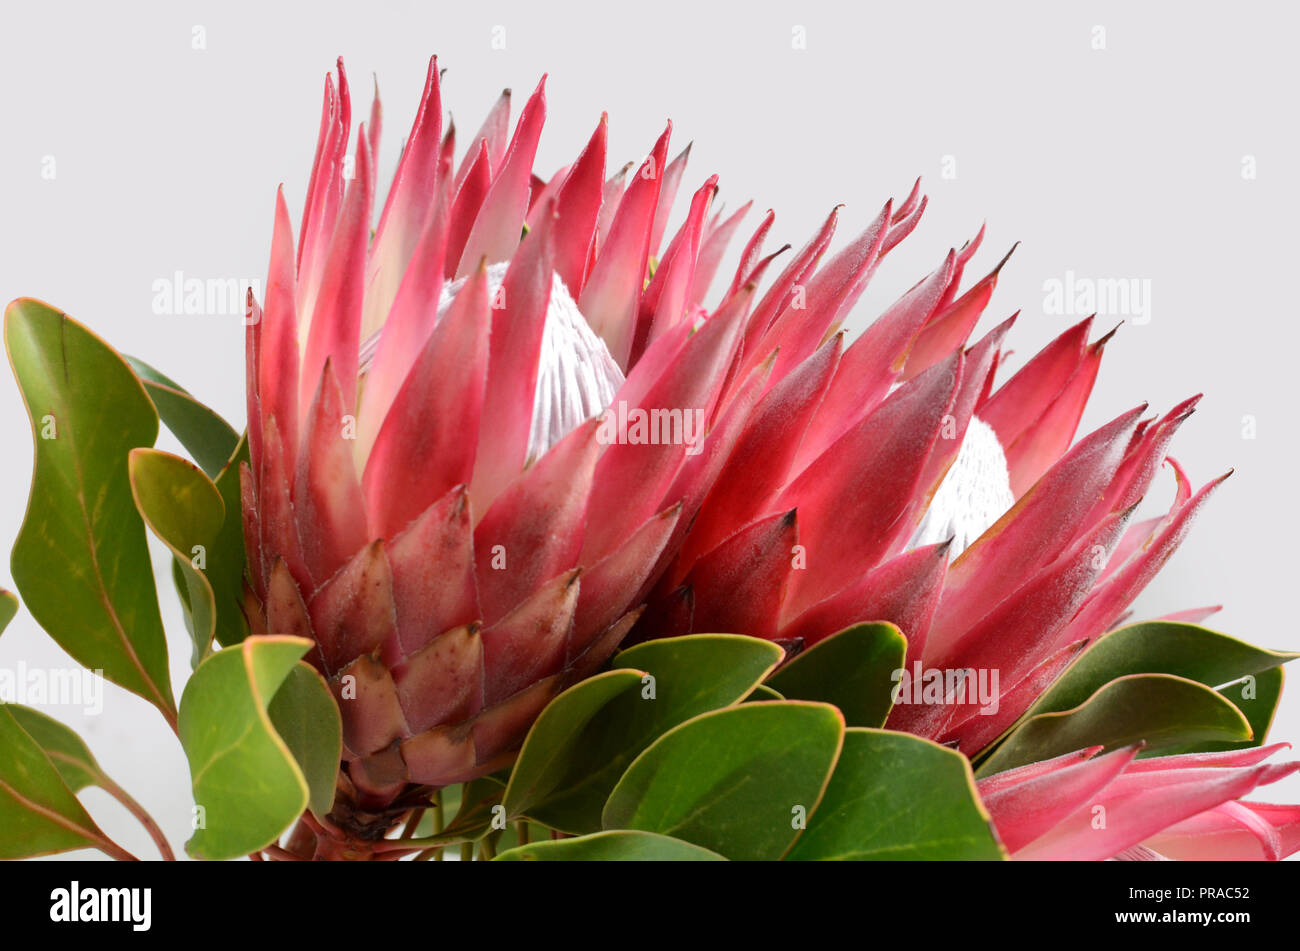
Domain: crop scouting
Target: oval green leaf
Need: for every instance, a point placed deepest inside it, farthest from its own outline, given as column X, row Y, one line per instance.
column 248, row 786
column 227, row 558
column 737, row 781
column 617, row 846
column 1161, row 710
column 474, row 811
column 81, row 559
column 208, row 438
column 68, row 752
column 555, row 739
column 305, row 715
column 1183, row 650
column 686, row 676
column 39, row 814
column 898, row 797
column 852, row 669
column 1157, row 647
column 184, row 509
column 8, row 608
column 1257, row 697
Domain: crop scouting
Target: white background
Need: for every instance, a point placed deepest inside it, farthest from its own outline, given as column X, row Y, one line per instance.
column 1117, row 163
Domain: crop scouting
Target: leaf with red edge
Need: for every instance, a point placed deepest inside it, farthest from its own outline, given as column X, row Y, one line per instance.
column 81, row 561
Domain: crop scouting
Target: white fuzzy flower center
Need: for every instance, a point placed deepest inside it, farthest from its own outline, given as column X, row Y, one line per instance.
column 974, row 494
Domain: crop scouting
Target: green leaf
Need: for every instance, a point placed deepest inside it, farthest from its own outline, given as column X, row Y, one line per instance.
column 307, row 718
column 852, row 669
column 554, row 743
column 8, row 608
column 67, row 751
column 247, row 783
column 688, row 676
column 763, row 693
column 227, row 558
column 894, row 796
column 618, row 846
column 1157, row 647
column 1182, row 650
column 184, row 509
column 77, row 767
column 736, row 781
column 477, row 800
column 81, row 559
column 1256, row 696
column 204, row 434
column 1162, row 710
column 39, row 814
column 474, row 815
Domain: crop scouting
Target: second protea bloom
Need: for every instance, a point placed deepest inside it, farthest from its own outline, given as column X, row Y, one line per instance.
column 520, row 424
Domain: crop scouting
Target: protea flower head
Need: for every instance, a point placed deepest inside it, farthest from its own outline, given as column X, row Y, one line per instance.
column 521, row 424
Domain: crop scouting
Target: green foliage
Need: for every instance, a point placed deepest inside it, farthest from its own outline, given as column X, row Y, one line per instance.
column 894, row 796
column 249, row 785
column 737, row 781
column 81, row 560
column 851, row 669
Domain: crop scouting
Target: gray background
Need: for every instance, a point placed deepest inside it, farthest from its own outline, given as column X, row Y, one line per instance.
column 1117, row 163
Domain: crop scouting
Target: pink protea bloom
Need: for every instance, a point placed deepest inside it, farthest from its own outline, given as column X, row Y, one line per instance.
column 513, row 429
column 1084, row 806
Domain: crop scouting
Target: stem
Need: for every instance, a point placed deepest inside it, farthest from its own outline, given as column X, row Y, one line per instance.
column 137, row 810
column 409, row 845
column 439, row 821
column 322, row 826
column 521, row 831
column 412, row 823
column 115, row 851
column 486, row 850
column 467, row 852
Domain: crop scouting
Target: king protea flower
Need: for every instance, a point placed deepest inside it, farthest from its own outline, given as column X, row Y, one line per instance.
column 519, row 425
